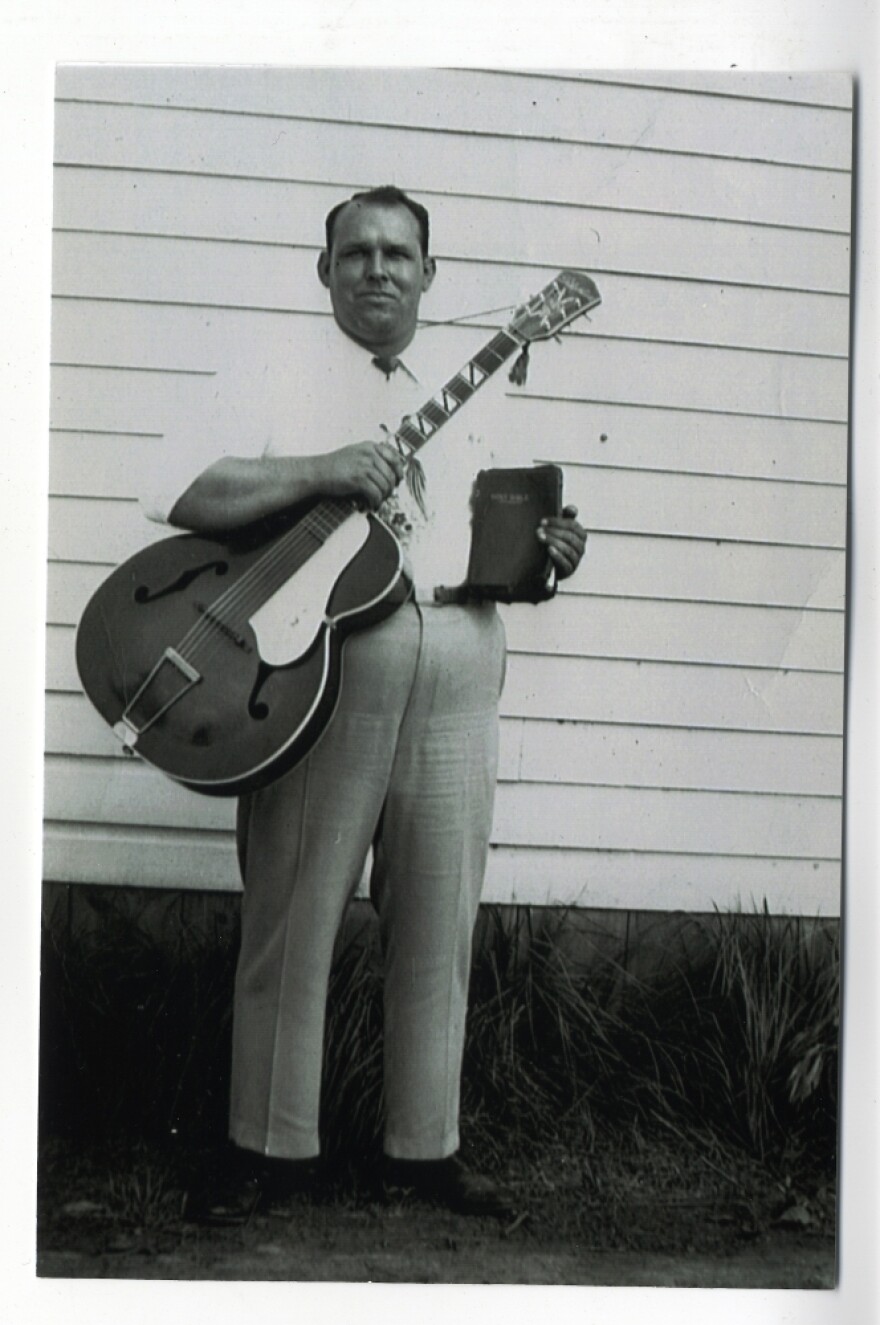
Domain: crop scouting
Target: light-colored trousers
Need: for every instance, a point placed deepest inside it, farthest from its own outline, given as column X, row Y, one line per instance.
column 407, row 765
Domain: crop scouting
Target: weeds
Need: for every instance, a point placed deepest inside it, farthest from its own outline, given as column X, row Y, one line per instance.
column 145, row 1197
column 727, row 1049
column 773, row 1033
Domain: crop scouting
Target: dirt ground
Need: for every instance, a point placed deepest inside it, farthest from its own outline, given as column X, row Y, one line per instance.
column 127, row 1226
column 435, row 1248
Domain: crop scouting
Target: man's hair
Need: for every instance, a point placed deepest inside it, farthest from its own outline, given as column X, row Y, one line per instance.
column 388, row 195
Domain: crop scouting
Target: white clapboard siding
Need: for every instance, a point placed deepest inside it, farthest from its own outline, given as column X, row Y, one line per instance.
column 672, row 723
column 717, row 634
column 620, row 690
column 527, row 814
column 724, row 634
column 679, row 757
column 693, row 506
column 578, row 752
column 253, row 147
column 685, row 441
column 796, row 89
column 681, row 632
column 86, row 853
column 625, row 566
column 714, row 571
column 681, row 694
column 466, row 101
column 520, row 234
column 108, row 463
column 756, row 383
column 114, row 328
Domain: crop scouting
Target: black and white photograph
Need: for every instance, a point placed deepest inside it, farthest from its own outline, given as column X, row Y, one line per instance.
column 443, row 816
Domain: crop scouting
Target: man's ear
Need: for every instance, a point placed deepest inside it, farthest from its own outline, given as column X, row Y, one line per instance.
column 429, row 271
column 324, row 268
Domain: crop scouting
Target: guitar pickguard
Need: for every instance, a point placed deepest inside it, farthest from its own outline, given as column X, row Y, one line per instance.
column 287, row 625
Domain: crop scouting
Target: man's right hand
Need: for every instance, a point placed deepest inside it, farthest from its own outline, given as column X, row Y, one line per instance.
column 368, row 470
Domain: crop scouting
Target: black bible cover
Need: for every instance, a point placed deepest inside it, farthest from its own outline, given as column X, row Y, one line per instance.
column 507, row 562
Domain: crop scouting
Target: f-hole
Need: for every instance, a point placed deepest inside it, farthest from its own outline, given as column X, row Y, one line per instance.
column 258, row 708
column 144, row 594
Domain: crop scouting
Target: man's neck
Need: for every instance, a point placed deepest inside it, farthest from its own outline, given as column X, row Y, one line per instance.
column 384, row 350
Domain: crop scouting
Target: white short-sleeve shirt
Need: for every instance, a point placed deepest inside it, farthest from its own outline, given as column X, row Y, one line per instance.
column 322, row 391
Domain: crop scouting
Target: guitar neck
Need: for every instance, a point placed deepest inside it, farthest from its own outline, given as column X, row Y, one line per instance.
column 420, row 427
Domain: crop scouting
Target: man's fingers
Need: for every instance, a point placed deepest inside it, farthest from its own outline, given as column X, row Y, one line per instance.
column 379, row 470
column 387, row 471
column 573, row 535
column 561, row 536
column 565, row 540
column 392, row 457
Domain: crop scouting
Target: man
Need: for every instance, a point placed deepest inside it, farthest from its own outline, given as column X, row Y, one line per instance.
column 408, row 763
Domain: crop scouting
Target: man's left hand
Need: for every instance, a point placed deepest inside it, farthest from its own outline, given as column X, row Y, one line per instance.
column 566, row 541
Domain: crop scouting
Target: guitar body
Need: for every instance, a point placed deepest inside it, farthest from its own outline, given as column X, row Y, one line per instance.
column 249, row 697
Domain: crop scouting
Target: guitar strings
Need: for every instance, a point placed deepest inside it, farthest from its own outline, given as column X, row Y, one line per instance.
column 284, row 555
column 221, row 612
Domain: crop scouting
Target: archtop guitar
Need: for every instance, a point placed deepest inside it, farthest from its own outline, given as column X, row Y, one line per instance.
column 220, row 663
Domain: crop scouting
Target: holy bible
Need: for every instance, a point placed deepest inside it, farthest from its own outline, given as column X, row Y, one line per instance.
column 507, row 562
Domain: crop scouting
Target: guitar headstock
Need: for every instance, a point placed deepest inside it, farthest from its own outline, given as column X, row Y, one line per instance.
column 568, row 295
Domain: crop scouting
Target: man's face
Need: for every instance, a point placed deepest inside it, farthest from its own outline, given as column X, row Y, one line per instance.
column 376, row 274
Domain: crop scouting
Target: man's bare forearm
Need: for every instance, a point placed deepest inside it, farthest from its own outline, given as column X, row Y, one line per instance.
column 236, row 490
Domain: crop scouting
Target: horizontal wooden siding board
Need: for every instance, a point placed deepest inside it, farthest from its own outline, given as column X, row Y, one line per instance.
column 668, row 757
column 685, row 632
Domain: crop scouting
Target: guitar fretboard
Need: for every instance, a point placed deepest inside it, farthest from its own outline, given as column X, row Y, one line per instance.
column 417, row 428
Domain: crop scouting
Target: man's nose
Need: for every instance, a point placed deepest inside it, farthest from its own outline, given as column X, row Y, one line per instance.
column 376, row 264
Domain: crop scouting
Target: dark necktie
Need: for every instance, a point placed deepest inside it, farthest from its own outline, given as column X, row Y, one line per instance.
column 387, row 365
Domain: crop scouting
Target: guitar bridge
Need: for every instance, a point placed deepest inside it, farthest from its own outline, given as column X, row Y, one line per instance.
column 168, row 682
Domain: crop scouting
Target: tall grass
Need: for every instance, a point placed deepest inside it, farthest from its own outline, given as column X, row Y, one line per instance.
column 772, row 1012
column 734, row 1036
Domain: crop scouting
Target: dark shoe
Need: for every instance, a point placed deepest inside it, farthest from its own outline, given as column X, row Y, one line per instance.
column 246, row 1185
column 448, row 1182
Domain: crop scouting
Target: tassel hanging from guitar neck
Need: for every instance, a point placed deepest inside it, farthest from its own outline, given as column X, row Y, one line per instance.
column 414, row 473
column 415, row 481
column 520, row 370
